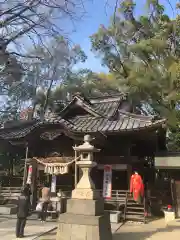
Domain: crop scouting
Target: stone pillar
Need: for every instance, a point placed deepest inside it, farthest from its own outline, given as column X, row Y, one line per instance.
column 85, row 218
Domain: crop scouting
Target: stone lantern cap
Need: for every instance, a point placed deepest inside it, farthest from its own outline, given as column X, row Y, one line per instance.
column 86, row 146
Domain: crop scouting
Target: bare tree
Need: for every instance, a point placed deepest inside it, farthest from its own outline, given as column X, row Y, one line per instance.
column 27, row 23
column 26, row 29
column 36, row 19
column 45, row 73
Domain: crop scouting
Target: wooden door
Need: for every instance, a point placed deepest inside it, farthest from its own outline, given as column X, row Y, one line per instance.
column 119, row 180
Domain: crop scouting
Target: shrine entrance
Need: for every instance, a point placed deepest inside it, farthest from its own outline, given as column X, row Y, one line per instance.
column 64, row 182
column 119, row 180
column 61, row 167
column 120, row 177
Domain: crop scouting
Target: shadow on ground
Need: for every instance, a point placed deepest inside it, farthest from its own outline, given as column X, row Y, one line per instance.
column 30, row 235
column 144, row 235
column 130, row 236
column 48, row 236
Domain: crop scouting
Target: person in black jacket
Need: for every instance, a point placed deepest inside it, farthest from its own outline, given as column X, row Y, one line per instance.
column 28, row 193
column 22, row 213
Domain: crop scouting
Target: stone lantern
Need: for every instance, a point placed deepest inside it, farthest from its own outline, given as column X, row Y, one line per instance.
column 85, row 217
column 85, row 189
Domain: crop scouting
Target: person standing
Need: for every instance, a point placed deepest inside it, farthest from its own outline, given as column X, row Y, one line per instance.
column 22, row 214
column 28, row 193
column 45, row 199
column 137, row 187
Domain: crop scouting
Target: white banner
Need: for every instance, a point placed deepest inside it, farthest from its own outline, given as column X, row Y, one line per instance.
column 107, row 182
column 29, row 177
column 53, row 184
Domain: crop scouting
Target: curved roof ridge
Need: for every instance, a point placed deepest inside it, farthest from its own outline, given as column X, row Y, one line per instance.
column 107, row 99
column 109, row 96
column 137, row 116
column 88, row 106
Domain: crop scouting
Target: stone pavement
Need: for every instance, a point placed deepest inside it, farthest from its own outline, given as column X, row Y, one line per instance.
column 156, row 230
column 33, row 230
column 52, row 235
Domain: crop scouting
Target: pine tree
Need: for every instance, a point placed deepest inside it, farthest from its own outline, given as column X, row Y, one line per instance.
column 143, row 54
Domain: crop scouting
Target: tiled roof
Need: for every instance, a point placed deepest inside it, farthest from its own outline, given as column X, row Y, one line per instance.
column 19, row 132
column 102, row 106
column 107, row 109
column 87, row 125
column 107, row 106
column 78, row 101
column 125, row 123
column 101, row 121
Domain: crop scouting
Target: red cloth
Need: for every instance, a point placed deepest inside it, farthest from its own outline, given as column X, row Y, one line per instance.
column 136, row 186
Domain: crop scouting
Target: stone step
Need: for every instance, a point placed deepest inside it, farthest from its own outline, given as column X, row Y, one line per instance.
column 9, row 194
column 135, row 204
column 8, row 209
column 115, row 200
column 10, row 198
column 11, row 188
column 7, row 191
column 135, row 213
column 135, row 218
column 119, row 195
column 134, row 207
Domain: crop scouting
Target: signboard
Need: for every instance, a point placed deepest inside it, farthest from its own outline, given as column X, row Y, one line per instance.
column 53, row 184
column 29, row 177
column 107, row 182
column 170, row 162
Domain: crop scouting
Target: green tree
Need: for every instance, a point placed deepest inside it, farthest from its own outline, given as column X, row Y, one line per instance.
column 86, row 82
column 143, row 54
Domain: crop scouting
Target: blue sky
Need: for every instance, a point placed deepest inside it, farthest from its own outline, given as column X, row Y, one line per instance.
column 99, row 13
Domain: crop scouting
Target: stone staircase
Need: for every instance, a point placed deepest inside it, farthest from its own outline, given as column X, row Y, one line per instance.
column 8, row 199
column 133, row 211
column 118, row 199
column 9, row 194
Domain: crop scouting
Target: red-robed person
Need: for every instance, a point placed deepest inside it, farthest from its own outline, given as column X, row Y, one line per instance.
column 137, row 187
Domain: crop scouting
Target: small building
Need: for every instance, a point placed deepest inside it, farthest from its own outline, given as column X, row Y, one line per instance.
column 167, row 165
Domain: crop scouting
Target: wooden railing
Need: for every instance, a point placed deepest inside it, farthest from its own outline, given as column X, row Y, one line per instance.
column 125, row 207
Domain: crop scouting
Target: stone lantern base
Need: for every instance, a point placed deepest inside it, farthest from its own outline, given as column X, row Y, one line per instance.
column 84, row 220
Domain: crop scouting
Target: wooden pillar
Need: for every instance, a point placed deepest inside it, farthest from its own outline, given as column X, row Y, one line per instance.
column 34, row 183
column 129, row 173
column 25, row 165
column 129, row 166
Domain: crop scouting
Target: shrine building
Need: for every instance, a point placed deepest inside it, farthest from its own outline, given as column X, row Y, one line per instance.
column 128, row 140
